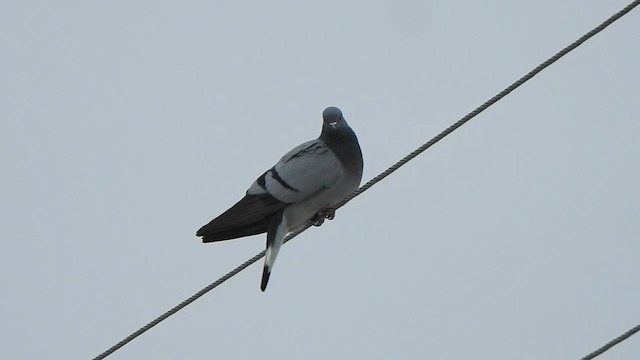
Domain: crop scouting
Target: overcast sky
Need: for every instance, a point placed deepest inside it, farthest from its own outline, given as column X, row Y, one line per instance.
column 125, row 126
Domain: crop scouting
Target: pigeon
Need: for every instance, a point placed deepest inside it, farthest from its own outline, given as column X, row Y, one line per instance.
column 298, row 189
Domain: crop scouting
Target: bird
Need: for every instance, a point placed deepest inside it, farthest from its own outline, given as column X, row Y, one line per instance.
column 301, row 187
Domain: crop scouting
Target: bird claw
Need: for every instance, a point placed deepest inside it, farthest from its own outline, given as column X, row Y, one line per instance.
column 330, row 214
column 318, row 219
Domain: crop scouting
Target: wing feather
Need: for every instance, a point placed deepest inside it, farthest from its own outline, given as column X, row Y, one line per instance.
column 301, row 173
column 246, row 217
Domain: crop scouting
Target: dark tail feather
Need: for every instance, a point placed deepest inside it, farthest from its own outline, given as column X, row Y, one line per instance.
column 265, row 278
column 272, row 228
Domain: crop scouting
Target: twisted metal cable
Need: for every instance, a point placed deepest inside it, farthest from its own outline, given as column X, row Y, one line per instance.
column 383, row 175
column 489, row 102
column 178, row 307
column 612, row 343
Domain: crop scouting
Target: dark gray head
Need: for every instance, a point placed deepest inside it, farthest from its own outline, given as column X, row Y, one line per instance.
column 337, row 134
column 333, row 121
column 332, row 115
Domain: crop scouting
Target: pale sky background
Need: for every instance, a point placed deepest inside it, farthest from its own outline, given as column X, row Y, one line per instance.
column 125, row 126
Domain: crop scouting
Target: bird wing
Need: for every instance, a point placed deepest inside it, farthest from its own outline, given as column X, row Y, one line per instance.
column 246, row 217
column 300, row 174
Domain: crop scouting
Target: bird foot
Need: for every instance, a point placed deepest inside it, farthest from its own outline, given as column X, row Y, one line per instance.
column 318, row 219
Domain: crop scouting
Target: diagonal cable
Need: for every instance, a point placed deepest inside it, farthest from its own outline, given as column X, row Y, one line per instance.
column 383, row 175
column 612, row 343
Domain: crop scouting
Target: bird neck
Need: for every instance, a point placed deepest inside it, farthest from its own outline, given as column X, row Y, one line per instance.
column 345, row 145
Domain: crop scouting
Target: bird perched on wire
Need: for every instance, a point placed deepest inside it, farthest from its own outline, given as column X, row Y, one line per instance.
column 299, row 188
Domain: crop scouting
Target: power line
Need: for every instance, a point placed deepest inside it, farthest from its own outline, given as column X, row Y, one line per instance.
column 386, row 173
column 490, row 102
column 612, row 343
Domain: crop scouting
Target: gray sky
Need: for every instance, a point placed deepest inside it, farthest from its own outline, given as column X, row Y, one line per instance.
column 125, row 126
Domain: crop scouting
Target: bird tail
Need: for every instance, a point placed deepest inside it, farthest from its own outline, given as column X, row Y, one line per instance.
column 275, row 235
column 265, row 277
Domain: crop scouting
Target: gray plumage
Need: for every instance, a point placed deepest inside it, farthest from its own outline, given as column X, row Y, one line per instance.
column 308, row 179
